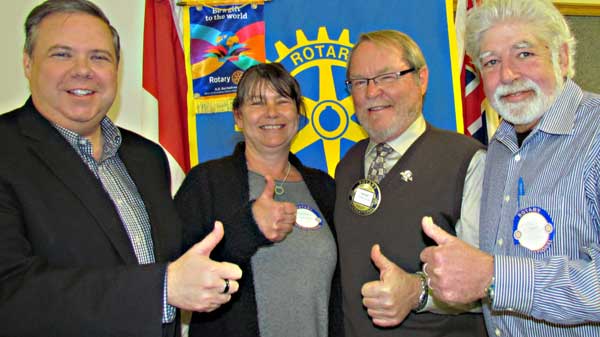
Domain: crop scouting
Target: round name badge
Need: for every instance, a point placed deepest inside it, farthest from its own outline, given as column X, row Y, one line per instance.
column 533, row 229
column 307, row 217
column 365, row 197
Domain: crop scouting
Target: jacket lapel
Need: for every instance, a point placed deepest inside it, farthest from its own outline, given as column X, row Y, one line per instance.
column 61, row 159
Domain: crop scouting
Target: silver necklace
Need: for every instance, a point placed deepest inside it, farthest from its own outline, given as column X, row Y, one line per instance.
column 279, row 190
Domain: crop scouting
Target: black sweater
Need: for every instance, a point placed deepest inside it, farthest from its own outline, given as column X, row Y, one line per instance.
column 218, row 190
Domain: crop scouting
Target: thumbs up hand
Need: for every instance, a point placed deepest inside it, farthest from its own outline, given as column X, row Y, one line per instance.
column 391, row 298
column 275, row 219
column 197, row 283
column 458, row 272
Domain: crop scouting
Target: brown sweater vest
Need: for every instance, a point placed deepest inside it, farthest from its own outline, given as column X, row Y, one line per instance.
column 438, row 161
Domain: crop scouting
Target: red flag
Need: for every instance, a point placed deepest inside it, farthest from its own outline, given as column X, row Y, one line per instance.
column 474, row 114
column 164, row 78
column 473, row 102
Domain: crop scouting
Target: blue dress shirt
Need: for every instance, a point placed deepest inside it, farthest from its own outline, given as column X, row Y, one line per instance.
column 556, row 291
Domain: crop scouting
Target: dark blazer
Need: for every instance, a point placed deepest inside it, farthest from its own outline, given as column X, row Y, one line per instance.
column 218, row 190
column 67, row 267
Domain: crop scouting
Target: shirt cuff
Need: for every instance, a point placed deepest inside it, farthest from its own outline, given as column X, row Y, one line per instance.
column 438, row 307
column 514, row 283
column 169, row 311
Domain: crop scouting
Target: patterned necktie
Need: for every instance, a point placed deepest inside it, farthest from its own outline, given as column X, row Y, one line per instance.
column 376, row 171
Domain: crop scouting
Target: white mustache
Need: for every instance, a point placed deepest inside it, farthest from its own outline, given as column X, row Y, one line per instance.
column 519, row 85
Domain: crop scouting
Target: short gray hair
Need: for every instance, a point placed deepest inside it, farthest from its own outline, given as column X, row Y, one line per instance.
column 396, row 40
column 547, row 22
column 49, row 7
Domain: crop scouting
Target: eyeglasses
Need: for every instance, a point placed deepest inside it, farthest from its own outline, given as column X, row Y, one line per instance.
column 379, row 80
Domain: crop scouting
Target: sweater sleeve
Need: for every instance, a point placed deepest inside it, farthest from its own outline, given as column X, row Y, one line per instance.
column 212, row 192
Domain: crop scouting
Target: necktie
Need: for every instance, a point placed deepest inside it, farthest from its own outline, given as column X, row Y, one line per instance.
column 376, row 171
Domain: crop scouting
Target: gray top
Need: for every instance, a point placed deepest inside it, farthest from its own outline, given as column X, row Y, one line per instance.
column 292, row 278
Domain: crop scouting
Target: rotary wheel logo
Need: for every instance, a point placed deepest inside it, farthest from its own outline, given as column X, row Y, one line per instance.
column 236, row 76
column 320, row 67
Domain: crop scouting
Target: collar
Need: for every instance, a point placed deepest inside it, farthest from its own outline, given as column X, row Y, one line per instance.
column 559, row 119
column 111, row 136
column 406, row 139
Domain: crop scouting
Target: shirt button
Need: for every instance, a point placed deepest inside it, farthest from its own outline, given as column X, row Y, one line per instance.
column 507, row 198
column 500, row 242
column 498, row 332
column 518, row 157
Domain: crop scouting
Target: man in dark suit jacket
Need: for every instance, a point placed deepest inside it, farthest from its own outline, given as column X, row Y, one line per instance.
column 87, row 223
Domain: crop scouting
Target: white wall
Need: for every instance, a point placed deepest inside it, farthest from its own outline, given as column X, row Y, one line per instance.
column 128, row 18
column 586, row 2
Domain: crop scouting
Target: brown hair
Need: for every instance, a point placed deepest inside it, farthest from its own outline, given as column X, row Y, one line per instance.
column 64, row 6
column 273, row 75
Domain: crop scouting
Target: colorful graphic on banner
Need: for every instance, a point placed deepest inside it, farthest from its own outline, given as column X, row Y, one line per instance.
column 224, row 41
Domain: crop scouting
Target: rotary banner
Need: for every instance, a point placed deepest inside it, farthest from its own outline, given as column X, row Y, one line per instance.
column 223, row 42
column 312, row 39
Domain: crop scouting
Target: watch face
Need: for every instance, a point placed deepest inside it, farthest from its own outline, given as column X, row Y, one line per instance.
column 424, row 292
column 490, row 291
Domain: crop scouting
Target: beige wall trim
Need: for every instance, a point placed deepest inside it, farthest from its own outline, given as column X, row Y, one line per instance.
column 579, row 8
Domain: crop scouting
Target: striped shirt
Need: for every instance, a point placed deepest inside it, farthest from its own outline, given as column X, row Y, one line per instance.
column 116, row 181
column 556, row 291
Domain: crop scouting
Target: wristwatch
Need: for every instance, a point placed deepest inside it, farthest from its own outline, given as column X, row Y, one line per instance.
column 490, row 291
column 424, row 291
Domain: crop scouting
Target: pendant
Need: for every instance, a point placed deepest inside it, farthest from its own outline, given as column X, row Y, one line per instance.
column 279, row 190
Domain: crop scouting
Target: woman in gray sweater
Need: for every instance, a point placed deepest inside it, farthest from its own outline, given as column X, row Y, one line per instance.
column 278, row 220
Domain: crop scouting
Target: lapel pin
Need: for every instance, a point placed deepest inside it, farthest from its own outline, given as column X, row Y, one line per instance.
column 406, row 175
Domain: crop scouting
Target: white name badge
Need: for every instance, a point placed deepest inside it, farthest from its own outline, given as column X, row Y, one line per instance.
column 365, row 197
column 533, row 229
column 307, row 217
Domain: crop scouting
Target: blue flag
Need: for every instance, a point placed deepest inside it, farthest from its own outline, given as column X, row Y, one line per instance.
column 313, row 39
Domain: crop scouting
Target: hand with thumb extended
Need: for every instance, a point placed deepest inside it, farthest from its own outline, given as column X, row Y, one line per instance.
column 269, row 189
column 433, row 231
column 195, row 282
column 381, row 262
column 275, row 219
column 391, row 298
column 206, row 246
column 458, row 272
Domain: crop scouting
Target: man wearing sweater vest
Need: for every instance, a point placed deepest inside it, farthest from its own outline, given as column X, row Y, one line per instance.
column 385, row 184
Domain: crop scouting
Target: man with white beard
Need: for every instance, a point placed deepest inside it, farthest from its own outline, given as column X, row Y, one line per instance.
column 538, row 269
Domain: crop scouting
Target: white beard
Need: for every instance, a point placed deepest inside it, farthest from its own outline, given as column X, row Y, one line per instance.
column 525, row 112
column 528, row 111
